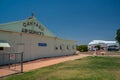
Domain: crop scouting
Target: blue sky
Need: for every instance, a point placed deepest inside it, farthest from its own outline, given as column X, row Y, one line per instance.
column 80, row 20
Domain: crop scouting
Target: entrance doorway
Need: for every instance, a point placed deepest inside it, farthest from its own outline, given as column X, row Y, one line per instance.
column 20, row 47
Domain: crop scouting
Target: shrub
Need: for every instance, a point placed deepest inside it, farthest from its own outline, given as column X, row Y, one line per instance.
column 82, row 48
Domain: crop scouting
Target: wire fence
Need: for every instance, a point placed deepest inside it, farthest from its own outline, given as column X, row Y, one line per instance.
column 12, row 61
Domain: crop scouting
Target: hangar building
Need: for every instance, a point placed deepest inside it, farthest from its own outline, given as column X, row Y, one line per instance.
column 33, row 39
column 104, row 45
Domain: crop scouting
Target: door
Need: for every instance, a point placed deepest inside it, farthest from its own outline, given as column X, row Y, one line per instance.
column 20, row 48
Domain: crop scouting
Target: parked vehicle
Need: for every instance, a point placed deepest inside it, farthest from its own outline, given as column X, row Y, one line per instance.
column 113, row 48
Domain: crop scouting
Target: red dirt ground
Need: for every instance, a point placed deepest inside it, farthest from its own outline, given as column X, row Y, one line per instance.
column 31, row 65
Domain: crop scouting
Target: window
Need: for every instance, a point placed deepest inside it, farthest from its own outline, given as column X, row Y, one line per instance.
column 1, row 48
column 42, row 44
column 56, row 48
column 60, row 47
column 67, row 47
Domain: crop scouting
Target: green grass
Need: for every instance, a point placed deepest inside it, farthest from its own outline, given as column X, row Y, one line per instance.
column 89, row 68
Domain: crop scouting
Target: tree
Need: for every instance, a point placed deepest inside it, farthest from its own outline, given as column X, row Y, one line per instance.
column 118, row 35
column 82, row 48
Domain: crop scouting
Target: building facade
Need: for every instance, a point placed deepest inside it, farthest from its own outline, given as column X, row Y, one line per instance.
column 103, row 45
column 34, row 40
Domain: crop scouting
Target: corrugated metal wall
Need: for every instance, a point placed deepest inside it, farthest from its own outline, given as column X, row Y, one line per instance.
column 30, row 45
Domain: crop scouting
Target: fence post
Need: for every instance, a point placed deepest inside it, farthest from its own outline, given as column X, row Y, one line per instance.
column 22, row 62
column 9, row 60
column 15, row 61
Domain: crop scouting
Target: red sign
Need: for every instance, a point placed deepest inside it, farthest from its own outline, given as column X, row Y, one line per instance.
column 12, row 56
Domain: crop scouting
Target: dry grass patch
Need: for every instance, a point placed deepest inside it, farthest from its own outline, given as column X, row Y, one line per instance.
column 89, row 68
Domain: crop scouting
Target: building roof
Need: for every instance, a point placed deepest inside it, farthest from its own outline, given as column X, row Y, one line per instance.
column 30, row 24
column 102, row 42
